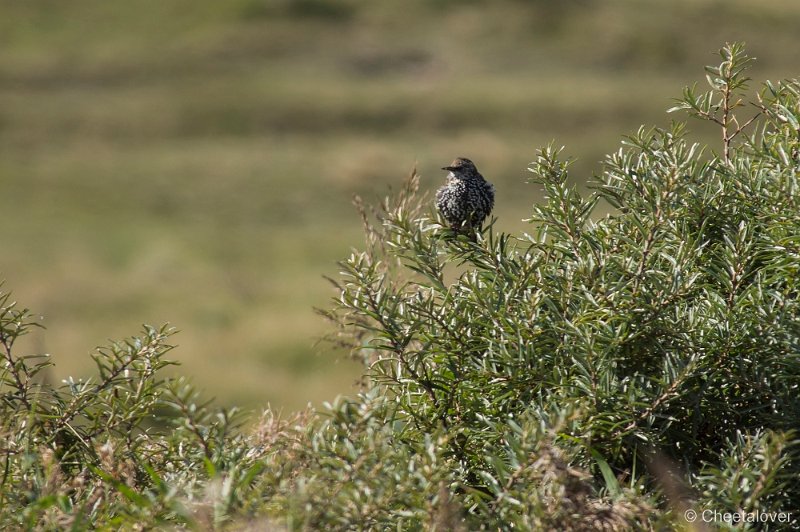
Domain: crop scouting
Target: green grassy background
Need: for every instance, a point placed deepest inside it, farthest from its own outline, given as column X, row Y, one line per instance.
column 193, row 161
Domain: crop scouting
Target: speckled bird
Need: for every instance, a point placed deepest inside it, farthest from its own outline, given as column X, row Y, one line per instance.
column 466, row 199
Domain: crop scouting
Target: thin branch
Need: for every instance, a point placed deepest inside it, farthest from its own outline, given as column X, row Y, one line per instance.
column 21, row 387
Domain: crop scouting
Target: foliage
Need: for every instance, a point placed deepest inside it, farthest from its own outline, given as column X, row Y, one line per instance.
column 599, row 373
column 666, row 333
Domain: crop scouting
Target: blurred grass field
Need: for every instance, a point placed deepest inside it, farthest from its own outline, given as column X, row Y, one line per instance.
column 193, row 162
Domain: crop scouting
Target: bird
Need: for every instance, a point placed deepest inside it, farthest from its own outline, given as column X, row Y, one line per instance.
column 467, row 199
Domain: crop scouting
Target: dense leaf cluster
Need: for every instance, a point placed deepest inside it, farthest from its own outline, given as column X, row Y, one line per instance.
column 603, row 372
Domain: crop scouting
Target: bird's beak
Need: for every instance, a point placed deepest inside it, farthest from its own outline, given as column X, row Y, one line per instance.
column 449, row 168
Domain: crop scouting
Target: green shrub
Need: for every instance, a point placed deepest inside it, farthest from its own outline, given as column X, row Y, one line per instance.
column 665, row 333
column 599, row 373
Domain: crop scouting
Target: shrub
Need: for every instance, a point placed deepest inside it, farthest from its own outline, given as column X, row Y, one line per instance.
column 664, row 336
column 599, row 373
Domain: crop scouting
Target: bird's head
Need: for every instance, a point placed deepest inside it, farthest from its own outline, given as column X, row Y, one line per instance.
column 461, row 166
